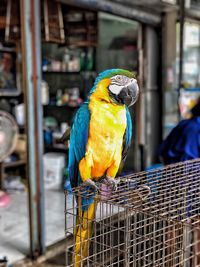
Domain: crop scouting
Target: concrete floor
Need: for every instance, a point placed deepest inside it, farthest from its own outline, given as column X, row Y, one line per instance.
column 14, row 227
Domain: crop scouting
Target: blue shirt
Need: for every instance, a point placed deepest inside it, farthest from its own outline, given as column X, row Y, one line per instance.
column 183, row 143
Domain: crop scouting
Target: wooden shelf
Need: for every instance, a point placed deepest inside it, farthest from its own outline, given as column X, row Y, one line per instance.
column 13, row 164
column 6, row 165
column 76, row 31
column 21, row 126
column 57, row 147
column 62, row 106
column 62, row 72
column 82, row 43
column 70, row 72
column 192, row 89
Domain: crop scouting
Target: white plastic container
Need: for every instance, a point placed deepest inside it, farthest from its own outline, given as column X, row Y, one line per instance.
column 54, row 164
column 45, row 93
column 20, row 114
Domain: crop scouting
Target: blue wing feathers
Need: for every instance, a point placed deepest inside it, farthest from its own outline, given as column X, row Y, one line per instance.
column 129, row 128
column 128, row 133
column 78, row 142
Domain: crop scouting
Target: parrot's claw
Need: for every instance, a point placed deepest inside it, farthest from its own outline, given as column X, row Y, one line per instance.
column 111, row 182
column 91, row 184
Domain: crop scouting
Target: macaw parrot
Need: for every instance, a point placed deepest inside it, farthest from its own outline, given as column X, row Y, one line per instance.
column 99, row 140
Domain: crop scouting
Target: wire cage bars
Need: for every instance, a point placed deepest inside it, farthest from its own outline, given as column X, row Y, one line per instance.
column 134, row 227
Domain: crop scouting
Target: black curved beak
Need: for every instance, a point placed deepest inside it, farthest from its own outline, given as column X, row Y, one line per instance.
column 129, row 94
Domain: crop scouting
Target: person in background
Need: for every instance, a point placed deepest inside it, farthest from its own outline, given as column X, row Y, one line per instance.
column 183, row 142
column 6, row 75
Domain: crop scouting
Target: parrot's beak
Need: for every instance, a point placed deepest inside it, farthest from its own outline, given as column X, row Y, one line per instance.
column 129, row 93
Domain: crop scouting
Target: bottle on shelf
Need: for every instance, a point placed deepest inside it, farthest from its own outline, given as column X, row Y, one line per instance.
column 65, row 60
column 59, row 97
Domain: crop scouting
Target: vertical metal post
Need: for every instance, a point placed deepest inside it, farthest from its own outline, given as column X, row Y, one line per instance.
column 140, row 113
column 182, row 17
column 151, row 94
column 31, row 55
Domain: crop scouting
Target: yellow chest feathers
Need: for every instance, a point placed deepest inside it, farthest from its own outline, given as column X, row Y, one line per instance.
column 106, row 132
column 107, row 118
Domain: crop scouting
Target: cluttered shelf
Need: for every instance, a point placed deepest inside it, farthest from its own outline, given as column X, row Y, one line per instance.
column 68, row 74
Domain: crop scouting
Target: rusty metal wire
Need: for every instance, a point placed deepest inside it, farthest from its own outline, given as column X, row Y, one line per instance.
column 134, row 228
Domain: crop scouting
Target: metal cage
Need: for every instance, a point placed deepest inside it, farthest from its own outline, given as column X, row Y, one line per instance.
column 134, row 228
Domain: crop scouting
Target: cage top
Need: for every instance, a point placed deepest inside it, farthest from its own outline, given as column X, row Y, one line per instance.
column 174, row 192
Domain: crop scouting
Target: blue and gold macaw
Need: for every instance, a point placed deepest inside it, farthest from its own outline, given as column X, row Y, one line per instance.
column 99, row 140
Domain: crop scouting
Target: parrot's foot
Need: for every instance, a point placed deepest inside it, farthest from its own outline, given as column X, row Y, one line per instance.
column 111, row 182
column 91, row 184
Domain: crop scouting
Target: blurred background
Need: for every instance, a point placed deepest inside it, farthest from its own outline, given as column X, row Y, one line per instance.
column 50, row 53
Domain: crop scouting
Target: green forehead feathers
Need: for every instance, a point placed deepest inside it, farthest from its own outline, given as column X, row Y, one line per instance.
column 110, row 73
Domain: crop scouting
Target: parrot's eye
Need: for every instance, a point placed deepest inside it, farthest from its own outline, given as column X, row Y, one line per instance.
column 120, row 81
column 119, row 78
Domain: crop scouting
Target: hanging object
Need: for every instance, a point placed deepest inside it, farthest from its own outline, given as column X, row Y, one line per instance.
column 80, row 27
column 12, row 27
column 2, row 19
column 52, row 22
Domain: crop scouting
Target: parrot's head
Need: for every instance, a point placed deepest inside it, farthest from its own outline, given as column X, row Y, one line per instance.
column 118, row 86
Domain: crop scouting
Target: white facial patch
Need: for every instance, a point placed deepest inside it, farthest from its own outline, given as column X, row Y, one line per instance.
column 115, row 89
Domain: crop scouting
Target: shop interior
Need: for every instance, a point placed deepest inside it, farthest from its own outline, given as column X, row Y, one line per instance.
column 77, row 44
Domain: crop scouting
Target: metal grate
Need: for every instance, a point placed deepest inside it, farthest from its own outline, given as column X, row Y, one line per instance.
column 132, row 228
